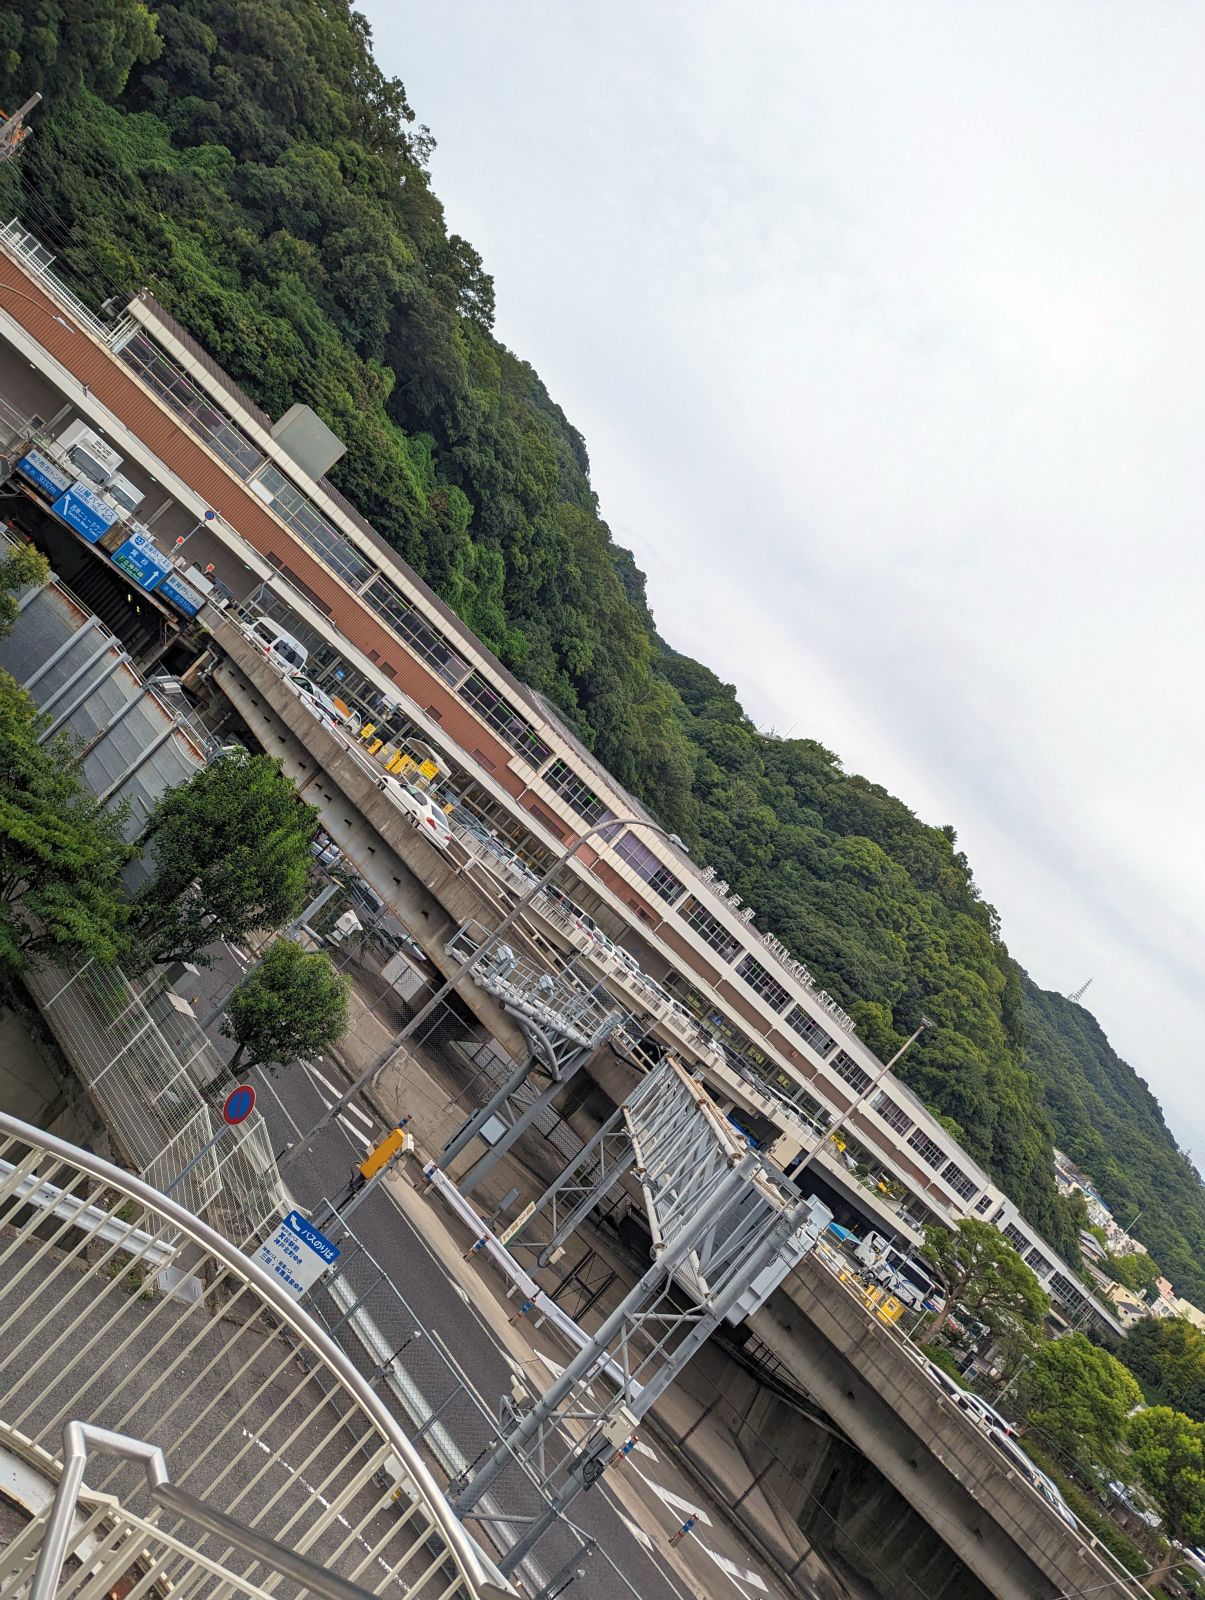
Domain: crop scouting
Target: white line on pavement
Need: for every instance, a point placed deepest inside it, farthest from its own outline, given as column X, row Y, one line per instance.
column 675, row 1501
column 738, row 1575
column 636, row 1531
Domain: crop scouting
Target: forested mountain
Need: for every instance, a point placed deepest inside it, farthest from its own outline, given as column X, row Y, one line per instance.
column 248, row 161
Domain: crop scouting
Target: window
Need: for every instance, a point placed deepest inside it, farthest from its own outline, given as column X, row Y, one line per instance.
column 846, row 1067
column 710, row 929
column 1016, row 1238
column 893, row 1115
column 756, row 976
column 962, row 1186
column 576, row 793
column 931, row 1154
column 500, row 715
column 654, row 871
column 810, row 1031
column 335, row 548
column 165, row 379
column 390, row 603
column 984, row 1204
column 1067, row 1293
column 1038, row 1262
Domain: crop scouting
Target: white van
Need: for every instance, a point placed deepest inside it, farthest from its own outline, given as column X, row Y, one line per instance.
column 284, row 652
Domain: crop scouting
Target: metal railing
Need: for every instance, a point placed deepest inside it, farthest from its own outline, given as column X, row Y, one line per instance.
column 145, row 1062
column 120, row 1307
column 548, row 997
column 36, row 259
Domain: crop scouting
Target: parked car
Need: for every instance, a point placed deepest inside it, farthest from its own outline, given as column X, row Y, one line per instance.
column 986, row 1416
column 420, row 808
column 325, row 852
column 321, row 703
column 284, row 652
column 1037, row 1479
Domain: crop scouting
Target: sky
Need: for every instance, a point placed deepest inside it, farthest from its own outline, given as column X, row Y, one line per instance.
column 885, row 328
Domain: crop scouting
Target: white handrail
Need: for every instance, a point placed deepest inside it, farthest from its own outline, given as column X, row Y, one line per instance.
column 480, row 1574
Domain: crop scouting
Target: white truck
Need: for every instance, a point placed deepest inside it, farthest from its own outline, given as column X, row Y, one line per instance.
column 905, row 1278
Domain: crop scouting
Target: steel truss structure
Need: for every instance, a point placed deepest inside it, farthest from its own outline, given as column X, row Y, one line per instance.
column 726, row 1228
column 563, row 1025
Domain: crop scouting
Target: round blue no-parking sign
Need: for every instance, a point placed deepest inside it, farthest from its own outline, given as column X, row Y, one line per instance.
column 238, row 1104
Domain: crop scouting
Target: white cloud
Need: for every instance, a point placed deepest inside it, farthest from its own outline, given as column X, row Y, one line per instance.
column 884, row 326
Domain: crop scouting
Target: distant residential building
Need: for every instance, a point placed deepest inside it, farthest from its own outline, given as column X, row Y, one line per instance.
column 1128, row 1306
column 1190, row 1313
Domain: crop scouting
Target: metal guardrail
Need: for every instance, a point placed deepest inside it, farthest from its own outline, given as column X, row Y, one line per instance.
column 167, row 1333
column 36, row 259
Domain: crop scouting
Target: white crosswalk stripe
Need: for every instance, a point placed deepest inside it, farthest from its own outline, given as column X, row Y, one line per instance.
column 676, row 1502
column 740, row 1577
column 356, row 1134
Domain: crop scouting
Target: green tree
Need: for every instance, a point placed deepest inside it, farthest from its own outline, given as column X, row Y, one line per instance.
column 985, row 1276
column 1169, row 1452
column 293, row 1004
column 1167, row 1356
column 1137, row 1271
column 60, row 45
column 1080, row 1397
column 20, row 568
column 61, row 851
column 231, row 857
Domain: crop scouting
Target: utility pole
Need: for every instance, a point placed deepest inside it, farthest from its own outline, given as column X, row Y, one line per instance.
column 13, row 132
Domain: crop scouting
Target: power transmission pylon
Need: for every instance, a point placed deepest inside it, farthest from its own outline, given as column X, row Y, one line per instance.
column 1080, row 992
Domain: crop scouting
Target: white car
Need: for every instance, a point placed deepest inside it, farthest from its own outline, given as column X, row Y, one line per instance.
column 321, row 704
column 986, row 1416
column 420, row 808
column 1034, row 1476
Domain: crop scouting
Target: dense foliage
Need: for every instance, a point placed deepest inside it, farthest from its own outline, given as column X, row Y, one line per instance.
column 61, row 851
column 1167, row 1356
column 1080, row 1397
column 293, row 1004
column 231, row 855
column 1169, row 1452
column 248, row 161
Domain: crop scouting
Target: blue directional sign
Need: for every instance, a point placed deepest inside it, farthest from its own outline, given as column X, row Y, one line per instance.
column 181, row 594
column 141, row 558
column 42, row 471
column 297, row 1254
column 83, row 509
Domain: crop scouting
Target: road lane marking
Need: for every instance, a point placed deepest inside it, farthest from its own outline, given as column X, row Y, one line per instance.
column 675, row 1501
column 636, row 1531
column 737, row 1575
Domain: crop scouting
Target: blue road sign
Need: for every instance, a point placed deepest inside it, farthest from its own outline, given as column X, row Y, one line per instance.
column 84, row 510
column 142, row 559
column 44, row 473
column 238, row 1105
column 297, row 1254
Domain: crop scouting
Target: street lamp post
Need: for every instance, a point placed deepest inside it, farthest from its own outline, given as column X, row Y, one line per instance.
column 827, row 1133
column 397, row 1044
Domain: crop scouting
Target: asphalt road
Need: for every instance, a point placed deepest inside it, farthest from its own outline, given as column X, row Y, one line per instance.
column 630, row 1559
column 387, row 1234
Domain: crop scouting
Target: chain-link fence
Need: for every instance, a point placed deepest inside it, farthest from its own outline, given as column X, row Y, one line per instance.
column 144, row 1061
